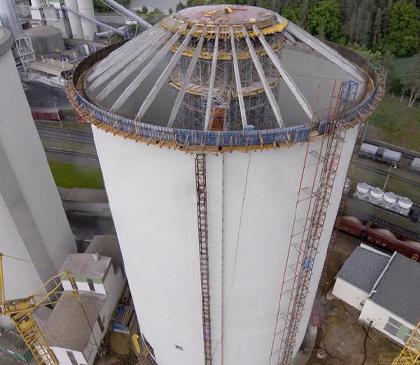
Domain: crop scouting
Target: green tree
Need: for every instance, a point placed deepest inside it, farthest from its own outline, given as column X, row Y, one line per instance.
column 324, row 20
column 179, row 6
column 404, row 25
column 102, row 7
column 292, row 13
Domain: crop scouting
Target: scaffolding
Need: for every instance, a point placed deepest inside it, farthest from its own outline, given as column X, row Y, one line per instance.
column 23, row 52
column 314, row 193
column 201, row 188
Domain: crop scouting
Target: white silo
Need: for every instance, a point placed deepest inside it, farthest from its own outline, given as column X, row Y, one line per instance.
column 33, row 225
column 224, row 172
column 74, row 20
column 89, row 28
column 9, row 19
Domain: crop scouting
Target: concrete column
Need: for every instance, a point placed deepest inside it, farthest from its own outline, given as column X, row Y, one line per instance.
column 75, row 22
column 33, row 225
column 89, row 28
column 35, row 3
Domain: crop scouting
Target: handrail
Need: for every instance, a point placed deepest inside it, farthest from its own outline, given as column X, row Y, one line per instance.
column 187, row 137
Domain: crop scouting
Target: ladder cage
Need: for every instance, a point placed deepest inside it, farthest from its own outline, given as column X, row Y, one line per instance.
column 201, row 190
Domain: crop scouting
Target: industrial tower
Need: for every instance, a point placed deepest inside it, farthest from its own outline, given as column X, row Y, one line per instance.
column 224, row 135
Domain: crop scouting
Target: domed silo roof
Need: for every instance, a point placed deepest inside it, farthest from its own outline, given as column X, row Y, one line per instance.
column 223, row 68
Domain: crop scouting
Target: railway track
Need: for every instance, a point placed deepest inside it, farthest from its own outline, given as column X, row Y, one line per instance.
column 85, row 155
column 384, row 172
column 69, row 135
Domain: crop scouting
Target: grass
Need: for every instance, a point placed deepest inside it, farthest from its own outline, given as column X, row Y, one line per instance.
column 402, row 66
column 68, row 175
column 394, row 123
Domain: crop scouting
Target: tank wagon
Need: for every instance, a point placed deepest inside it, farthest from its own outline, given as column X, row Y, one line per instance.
column 380, row 237
column 380, row 153
column 224, row 135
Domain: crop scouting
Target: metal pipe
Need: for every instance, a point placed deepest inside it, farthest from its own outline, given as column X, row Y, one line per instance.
column 119, row 8
column 93, row 20
column 107, row 32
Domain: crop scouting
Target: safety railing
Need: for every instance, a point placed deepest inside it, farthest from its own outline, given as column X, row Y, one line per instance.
column 187, row 137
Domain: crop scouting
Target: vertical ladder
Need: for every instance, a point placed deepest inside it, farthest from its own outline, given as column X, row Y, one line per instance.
column 312, row 237
column 201, row 189
column 34, row 339
column 314, row 193
column 306, row 190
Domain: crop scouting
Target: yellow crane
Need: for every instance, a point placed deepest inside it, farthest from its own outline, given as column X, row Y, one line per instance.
column 20, row 311
column 410, row 354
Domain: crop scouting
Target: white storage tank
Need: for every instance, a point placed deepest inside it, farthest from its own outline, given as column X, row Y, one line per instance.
column 390, row 197
column 214, row 163
column 33, row 225
column 89, row 28
column 405, row 203
column 74, row 19
column 363, row 188
column 376, row 193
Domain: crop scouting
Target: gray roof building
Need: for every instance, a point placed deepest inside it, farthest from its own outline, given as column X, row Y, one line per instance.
column 68, row 325
column 363, row 268
column 399, row 289
column 87, row 265
column 107, row 245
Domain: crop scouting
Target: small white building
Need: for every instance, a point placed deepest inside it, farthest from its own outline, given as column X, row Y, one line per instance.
column 76, row 328
column 384, row 288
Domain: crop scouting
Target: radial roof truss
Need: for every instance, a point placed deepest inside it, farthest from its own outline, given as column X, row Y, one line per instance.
column 236, row 44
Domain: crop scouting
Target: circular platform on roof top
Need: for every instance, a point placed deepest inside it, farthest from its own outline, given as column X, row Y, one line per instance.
column 226, row 15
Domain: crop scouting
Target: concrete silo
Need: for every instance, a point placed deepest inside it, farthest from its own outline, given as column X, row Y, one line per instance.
column 33, row 225
column 224, row 136
column 74, row 20
column 89, row 28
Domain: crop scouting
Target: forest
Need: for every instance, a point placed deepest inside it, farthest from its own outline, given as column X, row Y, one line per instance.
column 381, row 30
column 377, row 25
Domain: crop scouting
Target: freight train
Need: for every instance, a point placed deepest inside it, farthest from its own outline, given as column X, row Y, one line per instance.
column 379, row 237
column 47, row 114
column 388, row 156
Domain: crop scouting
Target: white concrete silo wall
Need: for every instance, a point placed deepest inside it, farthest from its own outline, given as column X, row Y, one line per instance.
column 28, row 192
column 151, row 193
column 13, row 245
column 251, row 205
column 89, row 28
column 74, row 20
